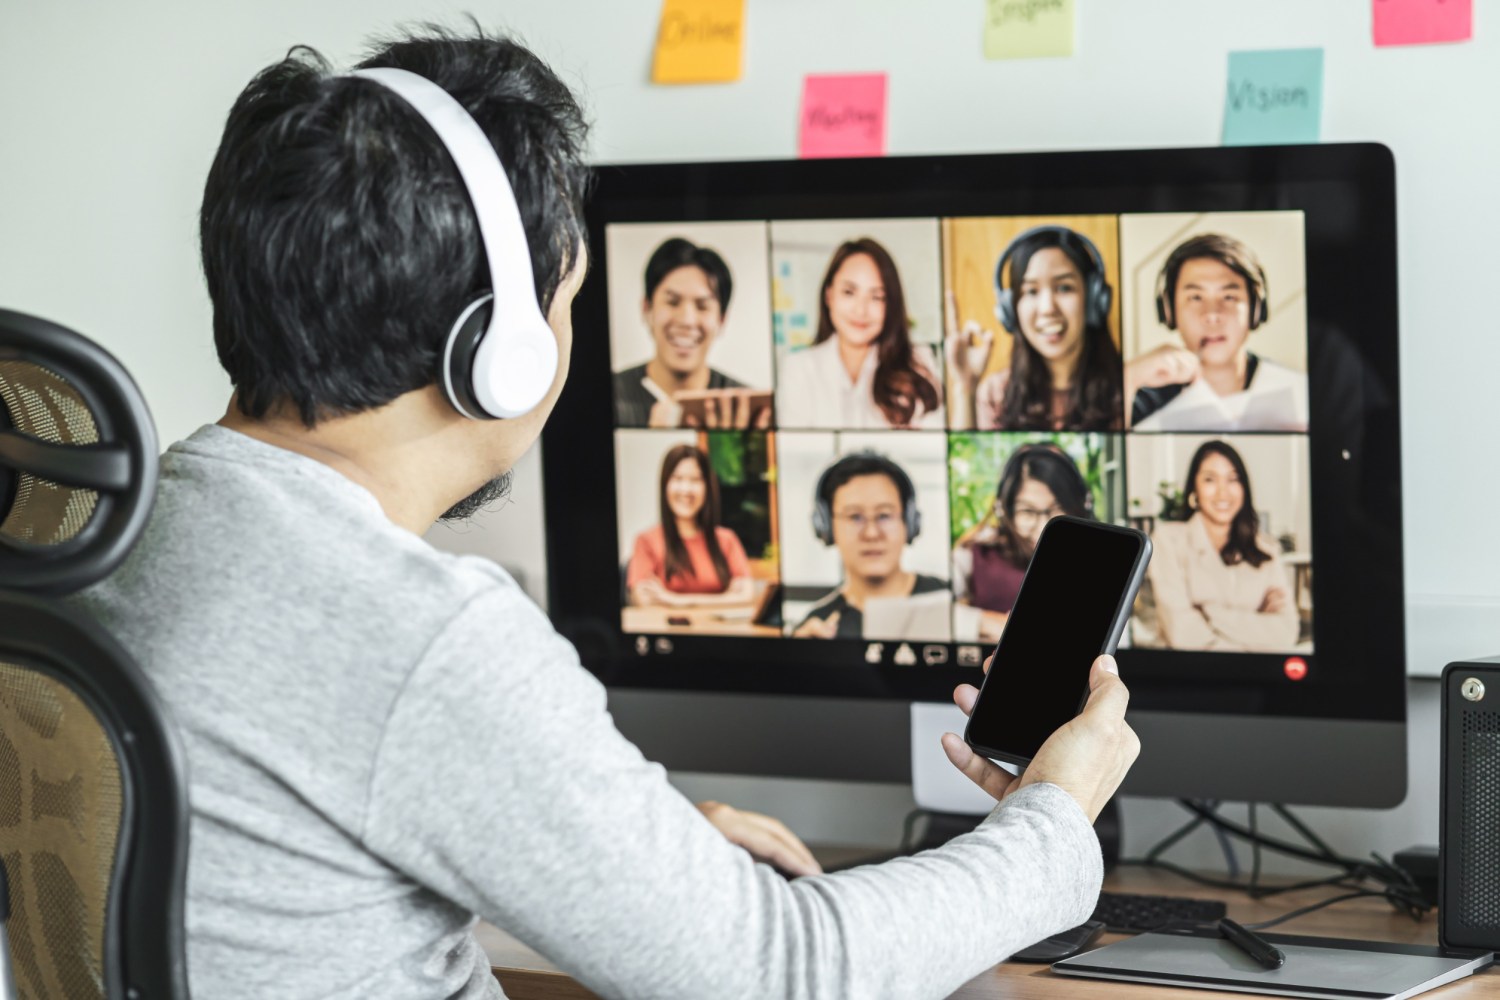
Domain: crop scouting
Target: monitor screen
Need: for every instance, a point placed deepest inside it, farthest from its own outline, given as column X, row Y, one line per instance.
column 819, row 413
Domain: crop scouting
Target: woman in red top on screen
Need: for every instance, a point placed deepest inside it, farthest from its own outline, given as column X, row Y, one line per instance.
column 689, row 559
column 1039, row 482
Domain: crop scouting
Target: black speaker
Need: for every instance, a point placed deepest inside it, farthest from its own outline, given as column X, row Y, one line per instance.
column 1469, row 822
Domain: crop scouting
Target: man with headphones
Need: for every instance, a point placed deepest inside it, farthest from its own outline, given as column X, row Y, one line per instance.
column 386, row 742
column 1212, row 291
column 866, row 505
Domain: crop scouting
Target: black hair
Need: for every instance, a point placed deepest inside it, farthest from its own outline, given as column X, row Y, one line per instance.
column 901, row 382
column 678, row 252
column 865, row 463
column 339, row 243
column 1242, row 545
column 1095, row 401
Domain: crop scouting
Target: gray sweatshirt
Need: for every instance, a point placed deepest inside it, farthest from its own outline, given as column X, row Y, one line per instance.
column 386, row 742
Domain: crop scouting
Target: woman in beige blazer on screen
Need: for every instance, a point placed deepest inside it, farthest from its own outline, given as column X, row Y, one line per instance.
column 1218, row 582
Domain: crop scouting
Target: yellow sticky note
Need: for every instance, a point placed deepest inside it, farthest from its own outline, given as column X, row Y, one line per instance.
column 699, row 41
column 1026, row 29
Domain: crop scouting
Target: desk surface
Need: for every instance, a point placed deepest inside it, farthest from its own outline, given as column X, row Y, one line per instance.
column 527, row 976
column 696, row 621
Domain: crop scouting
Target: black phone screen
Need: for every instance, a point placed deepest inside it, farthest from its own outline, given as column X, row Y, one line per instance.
column 1077, row 590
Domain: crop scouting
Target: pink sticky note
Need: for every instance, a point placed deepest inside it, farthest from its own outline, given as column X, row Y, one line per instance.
column 1421, row 22
column 843, row 116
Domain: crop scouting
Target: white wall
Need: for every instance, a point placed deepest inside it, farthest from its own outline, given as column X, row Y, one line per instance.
column 110, row 113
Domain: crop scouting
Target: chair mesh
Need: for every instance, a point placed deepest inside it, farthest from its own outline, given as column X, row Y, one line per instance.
column 59, row 825
column 43, row 404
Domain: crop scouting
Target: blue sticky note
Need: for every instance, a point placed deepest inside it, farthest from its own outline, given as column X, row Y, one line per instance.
column 1274, row 96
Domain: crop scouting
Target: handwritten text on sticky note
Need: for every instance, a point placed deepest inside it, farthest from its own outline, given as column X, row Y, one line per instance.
column 843, row 116
column 1274, row 96
column 699, row 41
column 1421, row 22
column 1025, row 29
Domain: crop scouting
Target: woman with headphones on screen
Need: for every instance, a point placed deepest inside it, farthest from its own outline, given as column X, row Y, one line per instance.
column 1212, row 291
column 862, row 372
column 1217, row 582
column 1064, row 371
column 866, row 506
column 1039, row 482
column 689, row 558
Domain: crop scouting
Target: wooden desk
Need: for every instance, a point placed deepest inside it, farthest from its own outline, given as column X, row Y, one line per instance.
column 699, row 621
column 527, row 976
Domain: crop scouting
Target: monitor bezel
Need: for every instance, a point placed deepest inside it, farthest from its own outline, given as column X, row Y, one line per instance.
column 1347, row 195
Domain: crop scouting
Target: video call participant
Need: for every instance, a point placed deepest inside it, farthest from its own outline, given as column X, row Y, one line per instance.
column 1064, row 369
column 1217, row 582
column 1212, row 291
column 689, row 558
column 390, row 741
column 686, row 303
column 1039, row 482
column 862, row 372
column 865, row 505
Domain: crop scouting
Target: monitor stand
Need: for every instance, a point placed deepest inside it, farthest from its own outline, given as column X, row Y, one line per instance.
column 953, row 803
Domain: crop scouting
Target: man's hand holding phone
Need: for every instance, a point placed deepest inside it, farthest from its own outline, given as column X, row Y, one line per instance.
column 1087, row 757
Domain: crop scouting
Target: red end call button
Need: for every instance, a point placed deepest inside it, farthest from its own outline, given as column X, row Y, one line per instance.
column 1295, row 667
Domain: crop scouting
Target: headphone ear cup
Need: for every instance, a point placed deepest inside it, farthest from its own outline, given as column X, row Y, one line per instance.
column 1005, row 310
column 459, row 351
column 913, row 521
column 1101, row 297
column 821, row 522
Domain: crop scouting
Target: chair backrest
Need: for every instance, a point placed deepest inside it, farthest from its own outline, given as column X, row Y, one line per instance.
column 93, row 811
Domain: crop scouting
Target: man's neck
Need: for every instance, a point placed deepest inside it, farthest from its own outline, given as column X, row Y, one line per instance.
column 858, row 589
column 1228, row 379
column 670, row 380
column 411, row 454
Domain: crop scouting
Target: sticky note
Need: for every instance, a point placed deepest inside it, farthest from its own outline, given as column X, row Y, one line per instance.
column 1421, row 22
column 1274, row 96
column 1026, row 29
column 843, row 116
column 699, row 41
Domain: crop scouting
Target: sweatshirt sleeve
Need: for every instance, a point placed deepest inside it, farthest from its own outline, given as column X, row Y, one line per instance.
column 502, row 784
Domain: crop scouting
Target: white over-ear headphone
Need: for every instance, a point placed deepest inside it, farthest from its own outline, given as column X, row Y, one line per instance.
column 500, row 358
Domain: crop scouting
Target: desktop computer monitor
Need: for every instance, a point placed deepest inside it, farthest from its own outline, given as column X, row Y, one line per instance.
column 819, row 410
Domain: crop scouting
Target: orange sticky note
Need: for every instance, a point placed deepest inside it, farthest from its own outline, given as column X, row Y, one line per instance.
column 843, row 116
column 1422, row 22
column 699, row 41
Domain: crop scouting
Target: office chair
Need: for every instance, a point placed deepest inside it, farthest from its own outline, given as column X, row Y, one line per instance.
column 93, row 792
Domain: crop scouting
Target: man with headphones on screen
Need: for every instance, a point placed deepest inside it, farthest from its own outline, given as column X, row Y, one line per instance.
column 1212, row 291
column 385, row 741
column 866, row 505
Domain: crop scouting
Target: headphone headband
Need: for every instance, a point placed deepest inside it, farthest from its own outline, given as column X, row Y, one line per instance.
column 1047, row 449
column 505, row 366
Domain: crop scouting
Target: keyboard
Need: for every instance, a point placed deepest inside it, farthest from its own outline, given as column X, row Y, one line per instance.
column 1127, row 913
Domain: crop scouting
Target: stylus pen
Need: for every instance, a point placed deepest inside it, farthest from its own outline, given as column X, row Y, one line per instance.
column 1262, row 951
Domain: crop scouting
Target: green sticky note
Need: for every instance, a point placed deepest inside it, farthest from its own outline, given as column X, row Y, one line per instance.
column 1026, row 29
column 1274, row 96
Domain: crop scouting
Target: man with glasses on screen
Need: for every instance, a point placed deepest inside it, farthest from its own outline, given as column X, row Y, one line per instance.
column 866, row 507
column 386, row 742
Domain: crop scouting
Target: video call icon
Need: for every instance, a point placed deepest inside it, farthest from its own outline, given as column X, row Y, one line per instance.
column 968, row 656
column 875, row 652
column 934, row 655
column 663, row 644
column 905, row 656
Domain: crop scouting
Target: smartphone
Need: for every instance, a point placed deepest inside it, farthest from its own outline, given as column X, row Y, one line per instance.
column 1072, row 606
column 694, row 402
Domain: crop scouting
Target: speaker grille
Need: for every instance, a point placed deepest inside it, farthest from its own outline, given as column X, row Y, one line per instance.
column 1479, row 846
